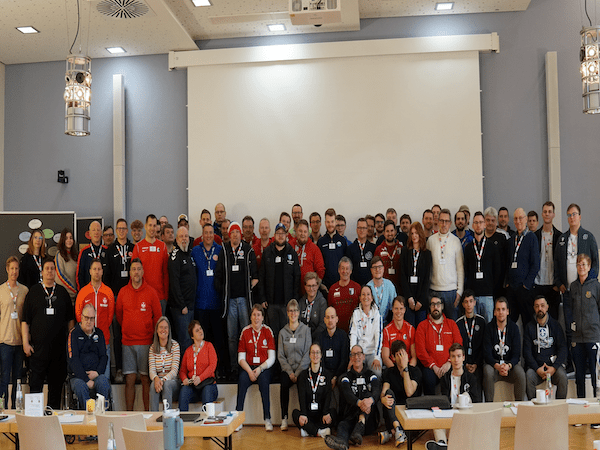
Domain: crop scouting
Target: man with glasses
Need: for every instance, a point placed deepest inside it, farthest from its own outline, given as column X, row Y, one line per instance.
column 340, row 226
column 523, row 264
column 360, row 389
column 220, row 215
column 108, row 235
column 315, row 227
column 296, row 217
column 384, row 291
column 360, row 252
column 87, row 358
column 433, row 339
column 447, row 268
column 379, row 221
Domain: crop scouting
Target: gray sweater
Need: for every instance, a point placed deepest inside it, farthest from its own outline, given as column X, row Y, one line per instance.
column 584, row 300
column 294, row 357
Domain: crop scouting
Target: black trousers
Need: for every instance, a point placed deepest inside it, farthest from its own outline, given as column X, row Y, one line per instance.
column 54, row 368
column 520, row 302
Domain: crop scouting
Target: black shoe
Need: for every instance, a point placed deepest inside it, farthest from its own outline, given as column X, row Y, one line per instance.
column 335, row 443
column 432, row 445
column 357, row 434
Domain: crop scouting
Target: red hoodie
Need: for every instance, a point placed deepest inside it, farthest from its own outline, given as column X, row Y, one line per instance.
column 155, row 258
column 138, row 310
column 104, row 302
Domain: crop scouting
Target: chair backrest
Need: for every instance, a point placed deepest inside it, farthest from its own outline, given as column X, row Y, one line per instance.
column 471, row 431
column 143, row 440
column 40, row 433
column 131, row 421
column 542, row 427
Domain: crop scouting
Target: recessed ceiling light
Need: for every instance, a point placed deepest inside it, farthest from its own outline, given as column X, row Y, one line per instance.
column 201, row 3
column 276, row 27
column 27, row 30
column 446, row 6
column 115, row 50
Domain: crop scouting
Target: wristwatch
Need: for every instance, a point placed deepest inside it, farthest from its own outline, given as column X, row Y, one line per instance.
column 406, row 369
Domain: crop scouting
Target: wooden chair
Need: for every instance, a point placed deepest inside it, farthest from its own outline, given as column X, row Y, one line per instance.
column 40, row 433
column 542, row 427
column 131, row 421
column 475, row 431
column 143, row 440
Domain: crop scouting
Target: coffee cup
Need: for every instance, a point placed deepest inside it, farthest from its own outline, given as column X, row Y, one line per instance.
column 209, row 409
column 463, row 400
column 540, row 396
column 596, row 445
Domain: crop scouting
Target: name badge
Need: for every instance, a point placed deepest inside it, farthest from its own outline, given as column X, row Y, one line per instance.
column 292, row 340
column 124, row 274
column 336, row 294
column 209, row 273
column 479, row 275
column 501, row 361
column 573, row 326
column 384, row 253
column 414, row 279
column 153, row 248
column 470, row 351
column 14, row 315
column 329, row 353
column 235, row 268
column 513, row 265
column 314, row 406
column 363, row 264
column 439, row 348
column 278, row 259
column 442, row 261
column 256, row 360
column 49, row 311
column 360, row 380
column 332, row 246
column 392, row 271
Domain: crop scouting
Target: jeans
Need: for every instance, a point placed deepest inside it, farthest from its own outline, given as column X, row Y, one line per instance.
column 485, row 307
column 180, row 327
column 264, row 379
column 584, row 357
column 430, row 381
column 169, row 391
column 11, row 361
column 189, row 394
column 80, row 389
column 237, row 318
column 416, row 317
column 117, row 344
column 389, row 415
column 559, row 379
column 107, row 370
column 448, row 298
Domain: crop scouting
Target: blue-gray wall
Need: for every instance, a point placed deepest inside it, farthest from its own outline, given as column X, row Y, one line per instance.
column 513, row 119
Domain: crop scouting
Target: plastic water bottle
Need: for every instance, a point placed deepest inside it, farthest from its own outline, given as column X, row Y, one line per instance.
column 19, row 398
column 548, row 388
column 111, row 443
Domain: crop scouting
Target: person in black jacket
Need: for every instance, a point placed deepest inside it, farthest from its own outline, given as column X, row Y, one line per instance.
column 360, row 389
column 236, row 275
column 415, row 270
column 468, row 381
column 30, row 267
column 279, row 279
column 315, row 416
column 182, row 287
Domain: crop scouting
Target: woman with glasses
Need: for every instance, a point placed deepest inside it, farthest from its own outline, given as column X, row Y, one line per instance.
column 163, row 360
column 30, row 267
column 315, row 416
column 585, row 306
column 366, row 329
column 293, row 355
column 415, row 269
column 313, row 305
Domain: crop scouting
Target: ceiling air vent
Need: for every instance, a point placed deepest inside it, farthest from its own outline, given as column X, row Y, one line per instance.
column 123, row 9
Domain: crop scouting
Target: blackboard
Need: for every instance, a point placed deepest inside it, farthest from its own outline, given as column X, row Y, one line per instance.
column 17, row 227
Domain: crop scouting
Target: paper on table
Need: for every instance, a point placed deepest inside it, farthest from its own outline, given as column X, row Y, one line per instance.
column 576, row 401
column 419, row 414
column 8, row 417
column 147, row 416
column 443, row 413
column 74, row 418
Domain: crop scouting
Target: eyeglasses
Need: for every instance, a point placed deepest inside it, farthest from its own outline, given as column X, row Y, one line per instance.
column 87, row 317
column 377, row 267
column 436, row 304
column 108, row 234
column 121, row 228
column 38, row 238
column 573, row 214
column 444, row 221
column 356, row 355
column 362, row 228
column 293, row 311
column 315, row 352
column 582, row 265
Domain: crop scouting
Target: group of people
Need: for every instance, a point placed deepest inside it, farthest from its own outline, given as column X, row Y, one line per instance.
column 307, row 308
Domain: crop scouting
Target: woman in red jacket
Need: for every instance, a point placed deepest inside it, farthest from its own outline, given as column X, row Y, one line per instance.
column 197, row 371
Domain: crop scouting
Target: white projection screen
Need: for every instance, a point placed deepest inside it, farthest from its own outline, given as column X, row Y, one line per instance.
column 359, row 134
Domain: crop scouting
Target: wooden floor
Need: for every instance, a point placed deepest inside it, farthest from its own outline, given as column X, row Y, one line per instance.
column 251, row 438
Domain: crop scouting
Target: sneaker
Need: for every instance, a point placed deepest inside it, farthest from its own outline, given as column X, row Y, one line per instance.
column 268, row 425
column 240, row 427
column 284, row 424
column 324, row 432
column 433, row 445
column 577, row 425
column 400, row 437
column 335, row 443
column 384, row 437
column 357, row 434
column 595, row 426
column 303, row 433
column 119, row 377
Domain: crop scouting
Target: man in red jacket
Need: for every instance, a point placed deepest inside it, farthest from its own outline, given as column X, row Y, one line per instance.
column 138, row 310
column 309, row 255
column 433, row 339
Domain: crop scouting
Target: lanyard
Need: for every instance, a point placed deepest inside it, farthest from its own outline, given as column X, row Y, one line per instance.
column 236, row 253
column 308, row 309
column 438, row 332
column 163, row 355
column 479, row 253
column 572, row 252
column 122, row 249
column 362, row 251
column 518, row 246
column 314, row 385
column 12, row 296
column 415, row 260
column 301, row 254
column 49, row 296
column 94, row 252
column 392, row 254
column 443, row 247
column 38, row 263
column 255, row 339
column 470, row 333
column 501, row 339
column 196, row 355
column 206, row 255
column 379, row 295
column 96, row 303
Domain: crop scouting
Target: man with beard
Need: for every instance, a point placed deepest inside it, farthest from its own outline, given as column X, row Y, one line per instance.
column 333, row 247
column 389, row 251
column 428, row 223
column 498, row 240
column 503, row 220
column 248, row 231
column 311, row 259
column 344, row 294
column 360, row 252
column 462, row 232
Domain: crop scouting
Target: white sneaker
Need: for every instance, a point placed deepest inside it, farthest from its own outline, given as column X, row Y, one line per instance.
column 303, row 433
column 324, row 432
column 240, row 427
column 268, row 425
column 284, row 424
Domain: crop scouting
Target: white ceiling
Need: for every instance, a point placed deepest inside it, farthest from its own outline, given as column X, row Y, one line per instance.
column 175, row 24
